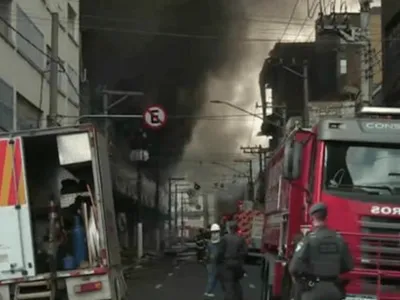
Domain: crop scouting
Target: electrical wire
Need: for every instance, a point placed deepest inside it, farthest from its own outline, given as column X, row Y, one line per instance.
column 168, row 34
column 26, row 39
column 290, row 20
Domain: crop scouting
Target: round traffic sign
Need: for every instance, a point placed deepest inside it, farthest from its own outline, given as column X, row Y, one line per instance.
column 155, row 117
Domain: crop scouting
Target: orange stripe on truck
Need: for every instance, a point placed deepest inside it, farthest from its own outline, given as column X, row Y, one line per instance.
column 6, row 176
column 17, row 195
column 12, row 180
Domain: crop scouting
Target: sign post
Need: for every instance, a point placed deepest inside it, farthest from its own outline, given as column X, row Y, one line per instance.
column 155, row 117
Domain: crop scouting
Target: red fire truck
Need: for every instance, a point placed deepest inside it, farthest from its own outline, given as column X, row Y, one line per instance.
column 352, row 165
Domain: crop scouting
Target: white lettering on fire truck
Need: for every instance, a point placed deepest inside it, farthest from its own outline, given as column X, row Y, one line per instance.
column 385, row 210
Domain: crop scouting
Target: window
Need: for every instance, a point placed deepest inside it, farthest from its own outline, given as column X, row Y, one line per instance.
column 61, row 75
column 28, row 115
column 32, row 50
column 73, row 84
column 6, row 106
column 343, row 66
column 362, row 168
column 5, row 14
column 72, row 20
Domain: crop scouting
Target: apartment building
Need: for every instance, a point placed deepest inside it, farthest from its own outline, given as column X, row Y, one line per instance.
column 25, row 39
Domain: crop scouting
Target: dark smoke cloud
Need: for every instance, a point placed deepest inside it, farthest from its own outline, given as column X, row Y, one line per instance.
column 171, row 71
column 183, row 74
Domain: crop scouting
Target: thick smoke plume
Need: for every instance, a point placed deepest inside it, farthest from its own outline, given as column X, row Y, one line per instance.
column 122, row 49
column 157, row 47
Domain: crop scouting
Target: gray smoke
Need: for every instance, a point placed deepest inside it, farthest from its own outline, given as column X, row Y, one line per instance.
column 155, row 46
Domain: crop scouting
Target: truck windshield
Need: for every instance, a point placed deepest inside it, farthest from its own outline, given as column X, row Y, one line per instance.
column 362, row 167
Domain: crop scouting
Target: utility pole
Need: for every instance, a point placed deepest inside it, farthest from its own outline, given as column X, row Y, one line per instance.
column 256, row 150
column 106, row 120
column 170, row 207
column 107, row 106
column 182, row 213
column 306, row 93
column 354, row 35
column 306, row 96
column 176, row 210
column 53, row 88
column 250, row 178
column 157, row 205
column 170, row 181
column 206, row 210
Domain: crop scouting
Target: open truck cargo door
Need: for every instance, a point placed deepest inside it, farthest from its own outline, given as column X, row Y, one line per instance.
column 106, row 187
column 16, row 248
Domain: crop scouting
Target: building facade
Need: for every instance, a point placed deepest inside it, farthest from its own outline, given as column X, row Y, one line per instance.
column 391, row 51
column 25, row 47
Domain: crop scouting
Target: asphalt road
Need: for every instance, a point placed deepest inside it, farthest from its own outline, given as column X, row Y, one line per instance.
column 185, row 281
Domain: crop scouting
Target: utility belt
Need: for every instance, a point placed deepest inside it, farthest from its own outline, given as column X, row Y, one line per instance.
column 307, row 283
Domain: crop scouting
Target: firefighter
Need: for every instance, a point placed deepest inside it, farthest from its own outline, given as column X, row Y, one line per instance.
column 320, row 257
column 211, row 259
column 230, row 259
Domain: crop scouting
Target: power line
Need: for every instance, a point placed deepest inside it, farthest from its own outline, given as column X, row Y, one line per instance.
column 165, row 34
column 76, row 90
column 290, row 20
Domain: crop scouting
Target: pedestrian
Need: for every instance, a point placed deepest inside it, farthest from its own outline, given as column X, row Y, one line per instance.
column 200, row 245
column 320, row 257
column 231, row 255
column 211, row 259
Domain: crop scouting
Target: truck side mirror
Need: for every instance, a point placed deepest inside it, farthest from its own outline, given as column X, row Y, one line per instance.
column 292, row 160
column 297, row 154
column 288, row 160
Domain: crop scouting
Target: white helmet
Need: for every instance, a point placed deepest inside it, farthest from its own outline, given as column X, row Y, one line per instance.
column 215, row 227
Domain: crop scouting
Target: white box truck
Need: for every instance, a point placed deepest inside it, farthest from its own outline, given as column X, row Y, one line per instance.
column 48, row 179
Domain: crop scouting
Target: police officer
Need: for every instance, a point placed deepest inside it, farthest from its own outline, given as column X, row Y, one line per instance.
column 319, row 259
column 230, row 259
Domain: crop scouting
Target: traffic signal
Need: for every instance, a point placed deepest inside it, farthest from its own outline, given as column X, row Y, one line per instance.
column 196, row 186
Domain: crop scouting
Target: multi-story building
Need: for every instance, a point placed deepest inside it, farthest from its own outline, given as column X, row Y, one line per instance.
column 391, row 51
column 333, row 66
column 25, row 46
column 277, row 74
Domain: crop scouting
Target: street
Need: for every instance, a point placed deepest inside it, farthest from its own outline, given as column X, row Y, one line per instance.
column 188, row 279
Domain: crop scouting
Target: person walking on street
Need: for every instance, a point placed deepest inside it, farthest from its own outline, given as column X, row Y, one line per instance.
column 200, row 245
column 211, row 259
column 320, row 257
column 231, row 255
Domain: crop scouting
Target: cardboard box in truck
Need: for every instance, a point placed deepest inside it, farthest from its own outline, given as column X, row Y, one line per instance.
column 56, row 194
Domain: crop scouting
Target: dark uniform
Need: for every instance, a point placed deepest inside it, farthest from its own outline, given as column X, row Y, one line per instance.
column 230, row 263
column 201, row 244
column 318, row 261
